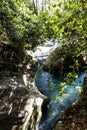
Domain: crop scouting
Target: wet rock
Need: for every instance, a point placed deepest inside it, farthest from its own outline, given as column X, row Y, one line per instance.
column 59, row 126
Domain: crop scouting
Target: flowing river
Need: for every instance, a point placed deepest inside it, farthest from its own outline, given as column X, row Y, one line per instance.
column 60, row 97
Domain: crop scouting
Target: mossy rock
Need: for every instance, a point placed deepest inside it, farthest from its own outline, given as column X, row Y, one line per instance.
column 63, row 60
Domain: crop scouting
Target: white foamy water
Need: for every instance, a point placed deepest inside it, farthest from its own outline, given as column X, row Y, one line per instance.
column 42, row 51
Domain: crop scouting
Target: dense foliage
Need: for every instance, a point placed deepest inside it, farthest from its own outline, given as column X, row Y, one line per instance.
column 69, row 24
column 20, row 25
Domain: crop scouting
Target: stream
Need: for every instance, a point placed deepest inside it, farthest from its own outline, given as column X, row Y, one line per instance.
column 60, row 97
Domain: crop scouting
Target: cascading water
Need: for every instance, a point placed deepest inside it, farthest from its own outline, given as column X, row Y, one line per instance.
column 60, row 97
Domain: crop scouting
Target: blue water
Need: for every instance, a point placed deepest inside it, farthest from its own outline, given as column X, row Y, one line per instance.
column 61, row 97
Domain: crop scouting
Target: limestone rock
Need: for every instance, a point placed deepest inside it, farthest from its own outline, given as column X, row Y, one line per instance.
column 20, row 104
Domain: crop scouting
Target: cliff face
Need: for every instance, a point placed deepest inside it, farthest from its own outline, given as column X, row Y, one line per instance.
column 20, row 100
column 20, row 106
column 75, row 117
